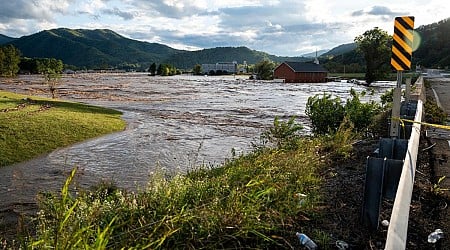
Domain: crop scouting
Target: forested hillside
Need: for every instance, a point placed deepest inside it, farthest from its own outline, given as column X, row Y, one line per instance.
column 434, row 50
column 91, row 48
column 5, row 39
column 105, row 48
column 188, row 59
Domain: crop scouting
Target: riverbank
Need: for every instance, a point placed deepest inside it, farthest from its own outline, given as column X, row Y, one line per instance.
column 31, row 126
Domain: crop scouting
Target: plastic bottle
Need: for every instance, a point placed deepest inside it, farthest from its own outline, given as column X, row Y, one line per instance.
column 435, row 236
column 306, row 241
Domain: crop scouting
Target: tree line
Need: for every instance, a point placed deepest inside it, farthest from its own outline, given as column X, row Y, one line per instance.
column 164, row 69
column 9, row 61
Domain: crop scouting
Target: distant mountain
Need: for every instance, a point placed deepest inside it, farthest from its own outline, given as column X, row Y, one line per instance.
column 91, row 48
column 313, row 54
column 5, row 39
column 104, row 48
column 340, row 50
column 188, row 59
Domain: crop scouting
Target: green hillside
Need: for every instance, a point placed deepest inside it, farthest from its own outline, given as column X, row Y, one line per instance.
column 339, row 50
column 434, row 50
column 188, row 59
column 5, row 39
column 91, row 48
column 104, row 48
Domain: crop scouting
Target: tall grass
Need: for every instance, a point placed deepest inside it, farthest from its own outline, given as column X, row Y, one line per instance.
column 30, row 126
column 258, row 200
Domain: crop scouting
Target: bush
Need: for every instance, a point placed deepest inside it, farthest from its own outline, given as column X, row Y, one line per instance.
column 284, row 135
column 361, row 114
column 326, row 113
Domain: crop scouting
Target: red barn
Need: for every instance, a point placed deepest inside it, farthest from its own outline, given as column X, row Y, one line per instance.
column 300, row 72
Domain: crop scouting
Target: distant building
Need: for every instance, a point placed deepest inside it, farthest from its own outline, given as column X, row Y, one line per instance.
column 300, row 72
column 220, row 68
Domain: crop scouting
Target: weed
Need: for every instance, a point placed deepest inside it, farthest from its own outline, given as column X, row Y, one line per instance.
column 437, row 189
column 284, row 135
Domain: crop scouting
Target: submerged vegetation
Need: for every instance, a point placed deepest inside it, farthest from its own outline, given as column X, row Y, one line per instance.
column 31, row 126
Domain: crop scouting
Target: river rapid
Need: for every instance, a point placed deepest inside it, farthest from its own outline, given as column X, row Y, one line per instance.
column 174, row 124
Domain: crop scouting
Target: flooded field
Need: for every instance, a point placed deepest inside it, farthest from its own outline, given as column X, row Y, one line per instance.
column 174, row 123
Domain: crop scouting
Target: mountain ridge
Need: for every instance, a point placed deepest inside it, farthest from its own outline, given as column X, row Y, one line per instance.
column 5, row 39
column 90, row 48
column 100, row 48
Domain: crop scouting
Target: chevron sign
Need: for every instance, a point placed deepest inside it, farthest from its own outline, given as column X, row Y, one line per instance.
column 402, row 43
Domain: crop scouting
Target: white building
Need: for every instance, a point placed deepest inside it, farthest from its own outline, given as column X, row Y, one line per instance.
column 220, row 67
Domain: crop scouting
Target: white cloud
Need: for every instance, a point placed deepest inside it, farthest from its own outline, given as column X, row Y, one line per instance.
column 281, row 27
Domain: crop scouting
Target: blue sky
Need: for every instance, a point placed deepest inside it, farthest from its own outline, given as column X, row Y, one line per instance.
column 279, row 27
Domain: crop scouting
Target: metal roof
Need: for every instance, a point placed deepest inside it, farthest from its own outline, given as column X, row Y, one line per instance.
column 305, row 67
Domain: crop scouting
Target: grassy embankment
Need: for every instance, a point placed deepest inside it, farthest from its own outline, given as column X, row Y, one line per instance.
column 254, row 201
column 31, row 126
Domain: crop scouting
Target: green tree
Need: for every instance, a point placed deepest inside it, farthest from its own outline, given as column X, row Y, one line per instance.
column 9, row 61
column 197, row 70
column 51, row 69
column 2, row 61
column 152, row 69
column 375, row 46
column 165, row 69
column 264, row 70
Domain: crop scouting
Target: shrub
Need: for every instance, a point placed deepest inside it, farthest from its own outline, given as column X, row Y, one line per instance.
column 326, row 113
column 284, row 135
column 387, row 98
column 361, row 114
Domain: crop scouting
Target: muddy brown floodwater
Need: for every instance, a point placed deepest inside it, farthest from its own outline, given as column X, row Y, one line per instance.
column 174, row 123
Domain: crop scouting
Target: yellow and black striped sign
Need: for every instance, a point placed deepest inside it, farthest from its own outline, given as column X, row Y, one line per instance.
column 402, row 43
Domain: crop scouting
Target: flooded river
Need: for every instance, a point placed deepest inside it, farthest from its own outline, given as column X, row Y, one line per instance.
column 174, row 123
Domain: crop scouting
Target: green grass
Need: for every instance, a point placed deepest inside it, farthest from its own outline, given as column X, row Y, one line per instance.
column 255, row 201
column 31, row 126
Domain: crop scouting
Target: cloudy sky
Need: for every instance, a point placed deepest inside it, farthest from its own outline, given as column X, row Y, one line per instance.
column 279, row 27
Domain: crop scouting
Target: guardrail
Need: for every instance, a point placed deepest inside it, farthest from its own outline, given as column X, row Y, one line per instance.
column 398, row 226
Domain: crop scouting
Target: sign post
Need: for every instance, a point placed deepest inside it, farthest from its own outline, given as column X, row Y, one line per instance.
column 400, row 61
